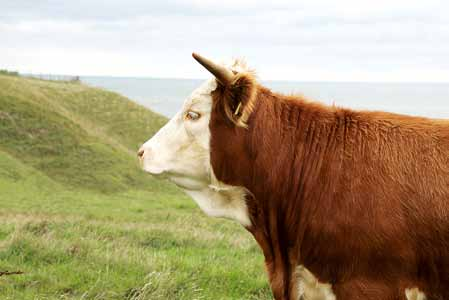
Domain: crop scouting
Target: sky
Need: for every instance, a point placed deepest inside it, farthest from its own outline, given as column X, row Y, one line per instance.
column 318, row 40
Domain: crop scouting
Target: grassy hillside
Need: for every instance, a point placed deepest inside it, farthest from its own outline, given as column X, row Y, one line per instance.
column 82, row 221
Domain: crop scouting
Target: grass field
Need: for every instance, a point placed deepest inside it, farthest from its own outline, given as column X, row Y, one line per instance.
column 82, row 221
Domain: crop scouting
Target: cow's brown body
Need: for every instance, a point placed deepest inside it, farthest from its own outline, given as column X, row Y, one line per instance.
column 361, row 199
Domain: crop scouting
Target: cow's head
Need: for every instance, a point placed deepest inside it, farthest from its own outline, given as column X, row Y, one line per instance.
column 181, row 150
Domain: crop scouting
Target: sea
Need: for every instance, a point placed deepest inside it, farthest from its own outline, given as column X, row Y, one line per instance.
column 166, row 96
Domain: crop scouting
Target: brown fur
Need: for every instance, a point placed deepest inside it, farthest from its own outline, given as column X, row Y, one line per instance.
column 360, row 198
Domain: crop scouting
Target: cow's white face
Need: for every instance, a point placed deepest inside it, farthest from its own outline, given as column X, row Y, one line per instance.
column 180, row 150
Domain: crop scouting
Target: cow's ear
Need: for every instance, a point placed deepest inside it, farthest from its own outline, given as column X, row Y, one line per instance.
column 238, row 98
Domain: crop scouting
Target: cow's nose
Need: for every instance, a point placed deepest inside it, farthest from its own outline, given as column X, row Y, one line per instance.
column 140, row 153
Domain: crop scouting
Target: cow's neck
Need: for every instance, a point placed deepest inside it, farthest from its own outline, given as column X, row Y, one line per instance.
column 289, row 187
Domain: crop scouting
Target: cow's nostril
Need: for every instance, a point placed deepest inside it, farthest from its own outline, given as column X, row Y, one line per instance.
column 140, row 153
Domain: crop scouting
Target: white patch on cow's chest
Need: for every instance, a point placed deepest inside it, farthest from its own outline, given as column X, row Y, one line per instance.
column 224, row 202
column 309, row 288
column 414, row 294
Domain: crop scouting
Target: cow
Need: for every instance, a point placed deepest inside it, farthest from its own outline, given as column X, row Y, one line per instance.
column 344, row 204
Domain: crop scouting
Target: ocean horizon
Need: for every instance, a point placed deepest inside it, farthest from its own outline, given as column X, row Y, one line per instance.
column 165, row 95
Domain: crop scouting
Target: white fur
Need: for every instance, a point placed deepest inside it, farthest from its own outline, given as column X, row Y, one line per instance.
column 309, row 288
column 181, row 151
column 414, row 294
column 228, row 203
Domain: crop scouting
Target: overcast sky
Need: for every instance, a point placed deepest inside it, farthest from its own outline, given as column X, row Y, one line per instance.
column 315, row 40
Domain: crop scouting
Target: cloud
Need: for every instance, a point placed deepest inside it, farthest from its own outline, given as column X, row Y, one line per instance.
column 315, row 40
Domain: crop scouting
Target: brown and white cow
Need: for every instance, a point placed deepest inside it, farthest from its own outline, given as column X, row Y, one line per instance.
column 345, row 204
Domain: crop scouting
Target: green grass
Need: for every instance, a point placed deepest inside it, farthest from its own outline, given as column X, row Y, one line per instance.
column 82, row 221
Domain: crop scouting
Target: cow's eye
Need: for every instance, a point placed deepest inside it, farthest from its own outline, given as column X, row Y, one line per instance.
column 191, row 115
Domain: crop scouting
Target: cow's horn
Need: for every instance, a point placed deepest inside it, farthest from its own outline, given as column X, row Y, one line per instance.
column 223, row 75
